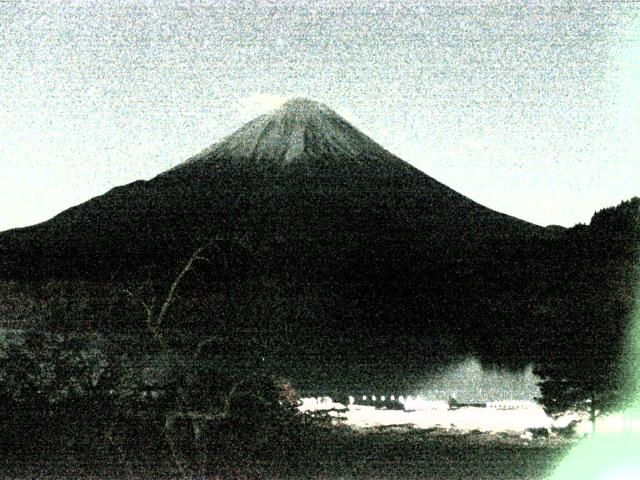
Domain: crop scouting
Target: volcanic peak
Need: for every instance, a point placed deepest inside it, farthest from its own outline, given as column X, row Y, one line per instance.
column 300, row 130
column 303, row 109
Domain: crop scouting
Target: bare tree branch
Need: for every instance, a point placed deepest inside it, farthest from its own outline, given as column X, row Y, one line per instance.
column 174, row 286
column 148, row 308
column 155, row 317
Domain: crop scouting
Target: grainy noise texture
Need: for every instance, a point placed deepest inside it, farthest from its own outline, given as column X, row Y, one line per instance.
column 530, row 108
column 315, row 239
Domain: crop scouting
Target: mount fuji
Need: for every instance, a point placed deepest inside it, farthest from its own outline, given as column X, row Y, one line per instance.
column 300, row 173
column 314, row 226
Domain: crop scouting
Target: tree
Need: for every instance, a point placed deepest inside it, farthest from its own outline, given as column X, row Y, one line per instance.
column 62, row 384
column 207, row 392
column 578, row 384
column 582, row 366
column 156, row 309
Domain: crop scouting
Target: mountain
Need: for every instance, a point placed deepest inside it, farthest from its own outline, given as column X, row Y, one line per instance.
column 315, row 226
column 302, row 131
column 299, row 174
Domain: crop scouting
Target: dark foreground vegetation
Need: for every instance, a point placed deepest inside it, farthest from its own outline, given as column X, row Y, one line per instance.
column 85, row 406
column 168, row 398
column 84, row 401
column 324, row 454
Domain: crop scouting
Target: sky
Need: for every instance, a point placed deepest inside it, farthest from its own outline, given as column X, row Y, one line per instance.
column 530, row 108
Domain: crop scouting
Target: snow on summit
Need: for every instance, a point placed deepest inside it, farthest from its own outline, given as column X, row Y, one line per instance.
column 299, row 129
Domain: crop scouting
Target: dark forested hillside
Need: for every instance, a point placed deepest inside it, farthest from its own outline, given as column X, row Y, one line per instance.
column 326, row 251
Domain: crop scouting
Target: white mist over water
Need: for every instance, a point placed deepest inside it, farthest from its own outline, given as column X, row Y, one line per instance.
column 468, row 381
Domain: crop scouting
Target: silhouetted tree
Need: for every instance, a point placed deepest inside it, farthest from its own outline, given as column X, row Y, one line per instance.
column 219, row 387
column 582, row 369
column 578, row 384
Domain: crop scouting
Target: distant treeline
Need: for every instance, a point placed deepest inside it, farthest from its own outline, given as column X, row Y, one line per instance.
column 568, row 293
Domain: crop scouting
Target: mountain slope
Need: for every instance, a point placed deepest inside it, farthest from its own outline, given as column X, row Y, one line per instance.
column 299, row 173
column 301, row 202
column 301, row 131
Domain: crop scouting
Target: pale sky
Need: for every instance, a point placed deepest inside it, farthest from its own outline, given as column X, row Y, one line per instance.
column 530, row 108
